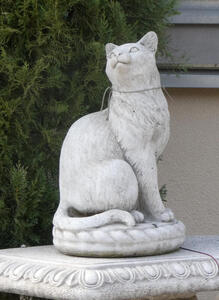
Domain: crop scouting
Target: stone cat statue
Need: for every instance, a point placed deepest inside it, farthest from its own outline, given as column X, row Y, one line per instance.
column 108, row 170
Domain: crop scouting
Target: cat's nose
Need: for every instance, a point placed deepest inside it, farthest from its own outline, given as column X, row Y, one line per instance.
column 124, row 58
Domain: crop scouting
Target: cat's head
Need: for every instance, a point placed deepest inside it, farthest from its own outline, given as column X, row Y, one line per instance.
column 133, row 66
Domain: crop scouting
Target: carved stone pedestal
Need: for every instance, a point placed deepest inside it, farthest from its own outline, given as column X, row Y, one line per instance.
column 44, row 272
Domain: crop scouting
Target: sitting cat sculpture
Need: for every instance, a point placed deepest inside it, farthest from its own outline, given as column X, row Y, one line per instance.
column 108, row 171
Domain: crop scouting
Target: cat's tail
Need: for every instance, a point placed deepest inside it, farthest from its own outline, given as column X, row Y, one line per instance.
column 62, row 221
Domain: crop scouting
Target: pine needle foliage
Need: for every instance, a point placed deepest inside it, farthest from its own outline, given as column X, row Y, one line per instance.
column 52, row 63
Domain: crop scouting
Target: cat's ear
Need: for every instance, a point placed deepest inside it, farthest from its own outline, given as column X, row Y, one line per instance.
column 109, row 48
column 150, row 41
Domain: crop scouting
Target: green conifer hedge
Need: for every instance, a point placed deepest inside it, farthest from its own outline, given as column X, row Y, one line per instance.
column 52, row 63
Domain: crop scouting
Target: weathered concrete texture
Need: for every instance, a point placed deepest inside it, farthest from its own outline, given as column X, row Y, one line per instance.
column 44, row 272
column 108, row 165
column 118, row 240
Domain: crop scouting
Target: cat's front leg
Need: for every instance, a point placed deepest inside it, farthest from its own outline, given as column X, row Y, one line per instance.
column 145, row 167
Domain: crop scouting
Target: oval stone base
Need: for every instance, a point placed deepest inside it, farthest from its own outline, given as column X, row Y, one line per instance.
column 119, row 240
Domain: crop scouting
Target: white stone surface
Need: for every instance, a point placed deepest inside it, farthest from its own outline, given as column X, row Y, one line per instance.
column 118, row 240
column 108, row 170
column 44, row 272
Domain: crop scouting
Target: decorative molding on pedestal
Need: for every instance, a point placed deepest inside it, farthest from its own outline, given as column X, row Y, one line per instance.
column 96, row 278
column 44, row 272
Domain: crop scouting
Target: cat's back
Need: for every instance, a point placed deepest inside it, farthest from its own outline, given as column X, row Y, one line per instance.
column 90, row 138
column 87, row 124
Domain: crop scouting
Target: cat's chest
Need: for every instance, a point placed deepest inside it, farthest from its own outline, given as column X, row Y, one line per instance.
column 138, row 120
column 139, row 110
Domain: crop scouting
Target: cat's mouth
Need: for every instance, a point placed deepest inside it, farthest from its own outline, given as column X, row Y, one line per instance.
column 120, row 60
column 119, row 63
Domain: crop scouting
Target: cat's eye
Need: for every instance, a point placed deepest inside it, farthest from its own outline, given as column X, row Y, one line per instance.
column 133, row 49
column 112, row 54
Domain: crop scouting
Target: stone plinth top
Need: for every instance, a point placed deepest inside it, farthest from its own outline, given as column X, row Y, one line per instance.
column 44, row 272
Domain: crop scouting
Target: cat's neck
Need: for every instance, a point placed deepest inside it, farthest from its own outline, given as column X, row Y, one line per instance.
column 114, row 90
column 139, row 83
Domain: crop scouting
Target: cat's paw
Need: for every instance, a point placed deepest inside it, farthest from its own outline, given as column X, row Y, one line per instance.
column 138, row 216
column 167, row 215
